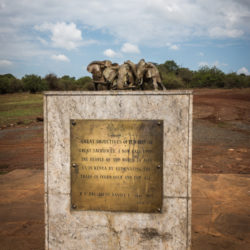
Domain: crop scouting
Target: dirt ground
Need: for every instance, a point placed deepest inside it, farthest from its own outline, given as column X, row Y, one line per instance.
column 221, row 172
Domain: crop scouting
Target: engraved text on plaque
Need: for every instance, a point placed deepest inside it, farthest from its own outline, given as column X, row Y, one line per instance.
column 116, row 165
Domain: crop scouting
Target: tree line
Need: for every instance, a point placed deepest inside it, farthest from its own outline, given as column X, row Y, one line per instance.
column 34, row 83
column 173, row 77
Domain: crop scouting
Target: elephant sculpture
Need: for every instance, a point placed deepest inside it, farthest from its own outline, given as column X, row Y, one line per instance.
column 108, row 75
column 103, row 73
column 148, row 73
column 125, row 77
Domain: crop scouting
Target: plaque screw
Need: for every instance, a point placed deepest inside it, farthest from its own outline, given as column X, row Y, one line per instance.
column 73, row 123
column 74, row 165
column 158, row 166
column 158, row 209
column 159, row 123
column 74, row 206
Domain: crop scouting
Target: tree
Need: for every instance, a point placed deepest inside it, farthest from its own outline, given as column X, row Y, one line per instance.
column 171, row 66
column 33, row 83
column 15, row 85
column 85, row 83
column 233, row 80
column 52, row 81
column 186, row 75
column 208, row 77
column 4, row 84
column 68, row 83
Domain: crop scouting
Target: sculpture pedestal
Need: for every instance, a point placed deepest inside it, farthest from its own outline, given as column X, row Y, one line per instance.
column 70, row 228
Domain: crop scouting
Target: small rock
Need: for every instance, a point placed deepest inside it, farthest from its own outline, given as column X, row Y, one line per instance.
column 39, row 119
column 230, row 149
column 238, row 159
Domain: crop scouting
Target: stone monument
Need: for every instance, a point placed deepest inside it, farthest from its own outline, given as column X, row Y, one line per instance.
column 118, row 170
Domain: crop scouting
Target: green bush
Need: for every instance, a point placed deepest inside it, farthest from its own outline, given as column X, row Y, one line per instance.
column 9, row 84
column 173, row 77
column 172, row 81
column 68, row 83
column 33, row 83
column 4, row 84
column 15, row 85
column 207, row 77
column 233, row 80
column 52, row 81
column 168, row 67
column 85, row 83
column 186, row 75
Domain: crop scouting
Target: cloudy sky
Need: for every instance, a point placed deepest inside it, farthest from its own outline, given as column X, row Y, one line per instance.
column 64, row 36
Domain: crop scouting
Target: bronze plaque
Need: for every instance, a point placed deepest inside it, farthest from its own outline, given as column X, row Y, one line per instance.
column 116, row 165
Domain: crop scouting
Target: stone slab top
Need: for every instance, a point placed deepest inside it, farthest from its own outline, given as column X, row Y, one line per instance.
column 118, row 92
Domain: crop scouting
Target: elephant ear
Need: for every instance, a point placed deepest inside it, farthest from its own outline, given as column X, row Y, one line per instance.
column 109, row 74
column 115, row 66
column 107, row 63
column 149, row 73
column 151, row 70
column 141, row 69
column 94, row 65
column 132, row 66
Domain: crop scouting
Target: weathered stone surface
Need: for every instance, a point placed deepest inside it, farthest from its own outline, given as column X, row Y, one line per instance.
column 67, row 229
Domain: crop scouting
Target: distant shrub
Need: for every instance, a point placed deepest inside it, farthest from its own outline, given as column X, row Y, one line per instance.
column 85, row 83
column 233, row 80
column 15, row 85
column 207, row 77
column 67, row 83
column 168, row 67
column 173, row 77
column 4, row 84
column 52, row 81
column 186, row 75
column 33, row 83
column 171, row 81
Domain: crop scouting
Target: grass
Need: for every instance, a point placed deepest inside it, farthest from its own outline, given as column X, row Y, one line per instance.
column 20, row 108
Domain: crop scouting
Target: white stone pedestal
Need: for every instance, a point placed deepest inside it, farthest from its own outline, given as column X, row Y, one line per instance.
column 68, row 229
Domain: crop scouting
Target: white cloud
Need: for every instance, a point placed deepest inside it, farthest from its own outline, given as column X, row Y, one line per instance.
column 220, row 32
column 243, row 70
column 60, row 57
column 2, row 5
column 201, row 54
column 202, row 64
column 63, row 35
column 213, row 64
column 130, row 48
column 151, row 22
column 172, row 46
column 110, row 53
column 4, row 63
column 42, row 41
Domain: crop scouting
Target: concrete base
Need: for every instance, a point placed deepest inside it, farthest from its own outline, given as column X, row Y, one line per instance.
column 67, row 229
